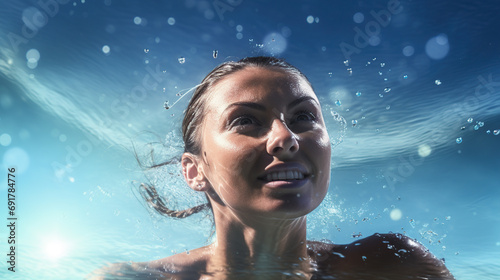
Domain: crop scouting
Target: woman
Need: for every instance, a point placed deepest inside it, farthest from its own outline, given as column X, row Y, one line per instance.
column 256, row 144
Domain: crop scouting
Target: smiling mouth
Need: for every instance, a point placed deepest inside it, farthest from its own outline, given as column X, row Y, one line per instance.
column 284, row 176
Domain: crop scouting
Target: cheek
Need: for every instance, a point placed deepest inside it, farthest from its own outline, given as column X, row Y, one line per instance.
column 229, row 159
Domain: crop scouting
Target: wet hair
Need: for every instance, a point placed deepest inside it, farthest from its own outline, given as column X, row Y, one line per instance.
column 193, row 119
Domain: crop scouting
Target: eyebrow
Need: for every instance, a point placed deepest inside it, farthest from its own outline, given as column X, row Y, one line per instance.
column 262, row 108
column 300, row 100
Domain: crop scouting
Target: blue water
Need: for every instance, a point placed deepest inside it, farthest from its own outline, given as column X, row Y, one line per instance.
column 83, row 83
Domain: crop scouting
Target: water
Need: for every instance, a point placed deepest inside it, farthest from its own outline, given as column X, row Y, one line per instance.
column 81, row 81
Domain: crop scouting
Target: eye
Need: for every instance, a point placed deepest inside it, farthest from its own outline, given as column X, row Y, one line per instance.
column 303, row 116
column 243, row 121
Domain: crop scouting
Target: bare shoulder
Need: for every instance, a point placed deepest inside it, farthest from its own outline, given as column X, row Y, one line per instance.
column 179, row 266
column 384, row 256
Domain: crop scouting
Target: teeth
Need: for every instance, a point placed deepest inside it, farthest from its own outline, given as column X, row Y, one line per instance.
column 285, row 175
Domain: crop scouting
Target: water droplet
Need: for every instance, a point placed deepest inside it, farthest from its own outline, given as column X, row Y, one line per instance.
column 387, row 89
column 405, row 77
column 338, row 103
column 354, row 122
column 166, row 105
column 358, row 93
column 412, row 223
column 496, row 131
column 437, row 82
column 469, row 120
column 215, row 53
column 182, row 60
column 146, row 50
column 459, row 140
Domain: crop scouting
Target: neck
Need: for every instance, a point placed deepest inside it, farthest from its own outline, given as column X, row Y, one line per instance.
column 258, row 244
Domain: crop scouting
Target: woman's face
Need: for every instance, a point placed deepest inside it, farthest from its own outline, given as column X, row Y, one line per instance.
column 265, row 148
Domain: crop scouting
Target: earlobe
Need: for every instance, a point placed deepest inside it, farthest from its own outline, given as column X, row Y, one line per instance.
column 193, row 172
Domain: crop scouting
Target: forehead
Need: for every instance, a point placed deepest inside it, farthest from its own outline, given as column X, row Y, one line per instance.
column 259, row 84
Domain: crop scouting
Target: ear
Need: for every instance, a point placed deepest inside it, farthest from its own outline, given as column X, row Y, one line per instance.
column 193, row 172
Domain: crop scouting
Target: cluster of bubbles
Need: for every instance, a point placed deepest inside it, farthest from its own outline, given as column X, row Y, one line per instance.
column 476, row 127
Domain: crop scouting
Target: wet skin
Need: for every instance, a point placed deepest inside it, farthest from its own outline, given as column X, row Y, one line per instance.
column 380, row 256
column 265, row 164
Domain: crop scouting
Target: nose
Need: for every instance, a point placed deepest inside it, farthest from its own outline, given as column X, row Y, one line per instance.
column 281, row 142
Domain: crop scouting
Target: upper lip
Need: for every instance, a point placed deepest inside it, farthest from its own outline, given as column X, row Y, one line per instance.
column 284, row 167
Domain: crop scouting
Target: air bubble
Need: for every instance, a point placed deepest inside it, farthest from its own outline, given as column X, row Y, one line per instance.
column 459, row 140
column 346, row 62
column 338, row 103
column 387, row 89
column 469, row 120
column 437, row 82
column 166, row 105
column 182, row 60
column 215, row 53
column 382, row 64
column 481, row 124
column 358, row 93
column 363, row 258
column 405, row 77
column 476, row 127
column 146, row 50
column 496, row 131
column 349, row 71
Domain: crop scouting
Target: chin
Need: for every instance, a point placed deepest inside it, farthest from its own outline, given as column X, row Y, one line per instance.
column 293, row 207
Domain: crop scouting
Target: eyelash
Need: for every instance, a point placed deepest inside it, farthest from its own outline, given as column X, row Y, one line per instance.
column 237, row 121
column 311, row 115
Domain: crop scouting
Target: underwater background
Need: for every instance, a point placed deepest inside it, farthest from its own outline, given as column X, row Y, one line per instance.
column 410, row 92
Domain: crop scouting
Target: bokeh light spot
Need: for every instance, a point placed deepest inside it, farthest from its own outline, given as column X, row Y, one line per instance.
column 396, row 214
